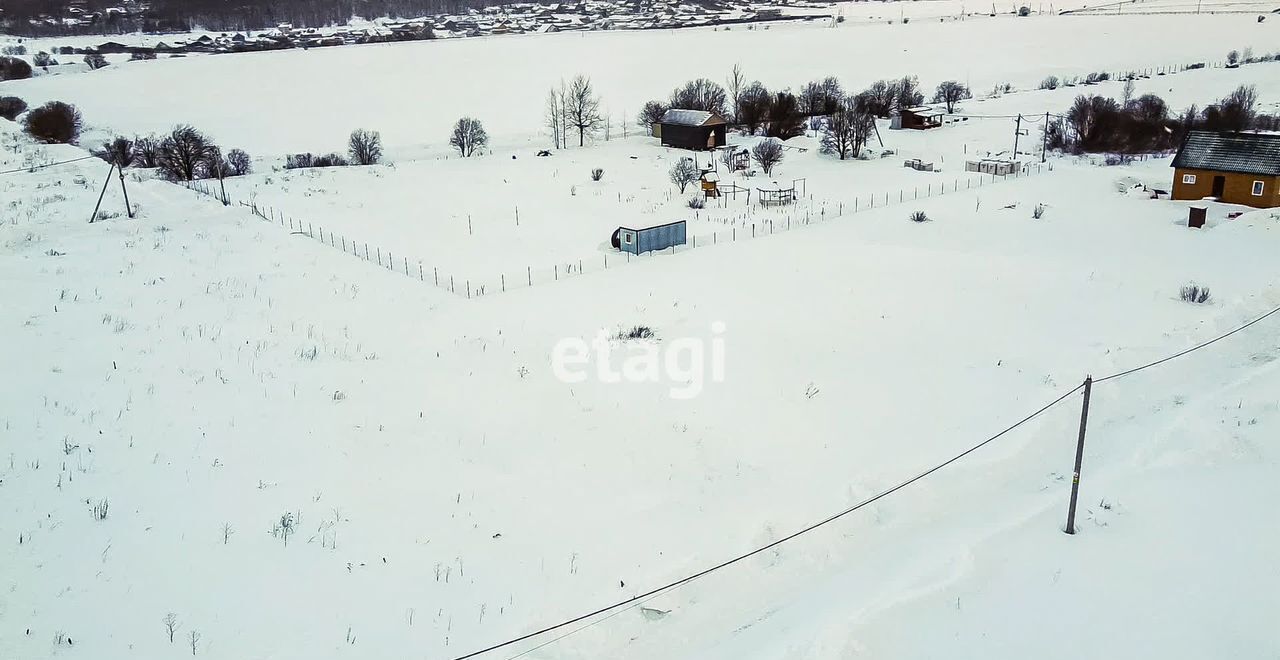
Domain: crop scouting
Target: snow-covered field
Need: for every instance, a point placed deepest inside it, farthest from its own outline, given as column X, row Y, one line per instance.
column 205, row 374
column 293, row 101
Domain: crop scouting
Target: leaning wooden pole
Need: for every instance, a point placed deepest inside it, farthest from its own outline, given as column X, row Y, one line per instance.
column 102, row 194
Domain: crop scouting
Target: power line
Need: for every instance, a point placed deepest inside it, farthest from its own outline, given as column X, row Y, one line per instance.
column 40, row 167
column 870, row 500
column 653, row 593
column 1189, row 350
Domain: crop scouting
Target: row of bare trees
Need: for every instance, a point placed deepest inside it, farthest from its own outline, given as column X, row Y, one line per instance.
column 1145, row 123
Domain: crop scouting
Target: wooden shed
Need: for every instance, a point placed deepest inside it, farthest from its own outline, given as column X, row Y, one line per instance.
column 1236, row 168
column 691, row 129
column 649, row 239
column 920, row 117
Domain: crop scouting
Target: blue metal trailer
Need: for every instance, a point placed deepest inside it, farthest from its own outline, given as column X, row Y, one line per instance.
column 649, row 239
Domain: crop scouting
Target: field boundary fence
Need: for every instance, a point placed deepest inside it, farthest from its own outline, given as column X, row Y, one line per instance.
column 746, row 222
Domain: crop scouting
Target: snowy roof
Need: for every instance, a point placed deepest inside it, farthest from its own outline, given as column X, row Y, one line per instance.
column 923, row 110
column 680, row 117
column 1246, row 153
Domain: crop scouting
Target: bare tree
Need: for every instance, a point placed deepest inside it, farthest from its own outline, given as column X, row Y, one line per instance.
column 468, row 135
column 767, row 153
column 737, row 81
column 848, row 129
column 227, row 531
column 951, row 92
column 683, row 173
column 240, row 162
column 170, row 621
column 651, row 114
column 753, row 106
column 194, row 638
column 365, row 147
column 183, row 153
column 1127, row 94
column 699, row 94
column 582, row 108
column 148, row 150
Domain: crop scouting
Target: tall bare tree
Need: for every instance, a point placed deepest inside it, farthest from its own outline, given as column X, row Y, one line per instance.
column 555, row 116
column 582, row 108
column 737, row 81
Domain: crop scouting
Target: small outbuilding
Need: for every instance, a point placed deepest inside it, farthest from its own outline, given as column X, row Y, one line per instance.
column 691, row 129
column 920, row 117
column 1236, row 168
column 649, row 239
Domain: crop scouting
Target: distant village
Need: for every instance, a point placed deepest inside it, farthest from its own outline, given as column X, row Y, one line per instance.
column 518, row 18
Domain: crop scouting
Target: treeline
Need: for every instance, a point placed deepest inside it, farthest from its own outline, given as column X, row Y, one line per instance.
column 217, row 15
column 1096, row 123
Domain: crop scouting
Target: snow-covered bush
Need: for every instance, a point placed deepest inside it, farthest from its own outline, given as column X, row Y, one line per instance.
column 95, row 61
column 54, row 122
column 597, row 174
column 140, row 55
column 697, row 202
column 12, row 68
column 1038, row 211
column 1196, row 294
column 1050, row 82
column 11, row 107
column 43, row 60
column 918, row 216
column 15, row 50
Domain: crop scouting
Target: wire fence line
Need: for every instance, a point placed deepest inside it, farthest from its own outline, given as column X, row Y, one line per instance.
column 744, row 222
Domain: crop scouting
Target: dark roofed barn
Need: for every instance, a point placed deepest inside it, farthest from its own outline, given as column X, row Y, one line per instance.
column 1236, row 168
column 691, row 129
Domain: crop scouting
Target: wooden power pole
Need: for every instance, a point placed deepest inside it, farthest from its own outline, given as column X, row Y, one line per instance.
column 1075, row 476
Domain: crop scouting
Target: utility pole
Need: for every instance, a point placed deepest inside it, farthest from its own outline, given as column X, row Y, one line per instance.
column 1044, row 140
column 1075, row 477
column 1017, row 131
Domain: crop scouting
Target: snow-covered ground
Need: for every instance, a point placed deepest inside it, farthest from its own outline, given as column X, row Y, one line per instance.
column 205, row 374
